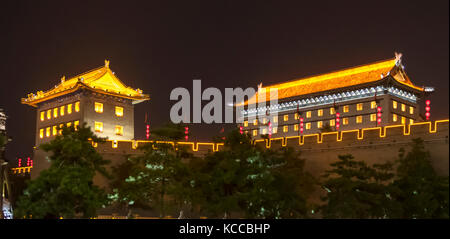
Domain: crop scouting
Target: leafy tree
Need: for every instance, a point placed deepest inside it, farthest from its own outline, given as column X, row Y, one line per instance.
column 221, row 176
column 66, row 188
column 242, row 178
column 421, row 192
column 281, row 188
column 356, row 190
column 158, row 178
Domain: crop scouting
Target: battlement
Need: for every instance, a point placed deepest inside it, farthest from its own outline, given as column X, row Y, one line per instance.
column 372, row 136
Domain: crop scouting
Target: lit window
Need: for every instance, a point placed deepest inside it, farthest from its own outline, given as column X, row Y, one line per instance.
column 98, row 107
column 394, row 104
column 308, row 125
column 308, row 114
column 373, row 117
column 403, row 120
column 255, row 132
column 245, row 123
column 274, row 130
column 69, row 109
column 55, row 112
column 119, row 130
column 47, row 132
column 359, row 106
column 332, row 122
column 394, row 117
column 285, row 128
column 41, row 133
column 119, row 111
column 411, row 121
column 345, row 108
column 373, row 104
column 332, row 111
column 255, row 122
column 49, row 114
column 98, row 126
column 403, row 107
column 60, row 129
column 345, row 121
column 77, row 106
column 319, row 112
column 296, row 116
column 76, row 124
column 295, row 127
column 359, row 119
column 61, row 110
column 319, row 124
column 275, row 119
column 114, row 145
column 42, row 115
column 69, row 124
column 264, row 131
column 55, row 130
column 411, row 110
column 264, row 120
column 286, row 117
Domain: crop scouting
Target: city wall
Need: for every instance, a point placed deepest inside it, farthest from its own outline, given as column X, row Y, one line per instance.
column 373, row 145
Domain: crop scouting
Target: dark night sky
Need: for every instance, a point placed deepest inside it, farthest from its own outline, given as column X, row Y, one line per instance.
column 161, row 46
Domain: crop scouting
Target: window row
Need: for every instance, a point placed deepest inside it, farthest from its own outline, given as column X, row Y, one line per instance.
column 98, row 127
column 332, row 123
column 402, row 107
column 98, row 107
column 402, row 119
column 60, row 111
column 320, row 112
column 56, row 129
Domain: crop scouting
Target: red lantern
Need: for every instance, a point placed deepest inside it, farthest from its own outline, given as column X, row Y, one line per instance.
column 427, row 109
column 270, row 129
column 301, row 124
column 186, row 132
column 379, row 115
column 338, row 120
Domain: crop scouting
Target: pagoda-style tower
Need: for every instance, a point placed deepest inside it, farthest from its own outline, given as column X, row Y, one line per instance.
column 371, row 95
column 97, row 98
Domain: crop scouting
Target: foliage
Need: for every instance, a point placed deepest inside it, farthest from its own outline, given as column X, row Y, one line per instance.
column 244, row 178
column 281, row 189
column 421, row 192
column 357, row 190
column 157, row 178
column 66, row 188
column 169, row 131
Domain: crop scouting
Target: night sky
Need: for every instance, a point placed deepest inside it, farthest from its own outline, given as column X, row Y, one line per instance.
column 159, row 46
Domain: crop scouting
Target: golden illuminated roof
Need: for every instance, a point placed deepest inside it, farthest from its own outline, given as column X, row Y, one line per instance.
column 335, row 80
column 100, row 80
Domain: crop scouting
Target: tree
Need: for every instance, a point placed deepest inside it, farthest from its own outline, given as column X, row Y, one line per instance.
column 421, row 192
column 66, row 188
column 279, row 187
column 252, row 181
column 356, row 190
column 158, row 178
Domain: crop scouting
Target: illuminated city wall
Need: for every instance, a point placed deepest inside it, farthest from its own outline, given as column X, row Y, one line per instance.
column 374, row 145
